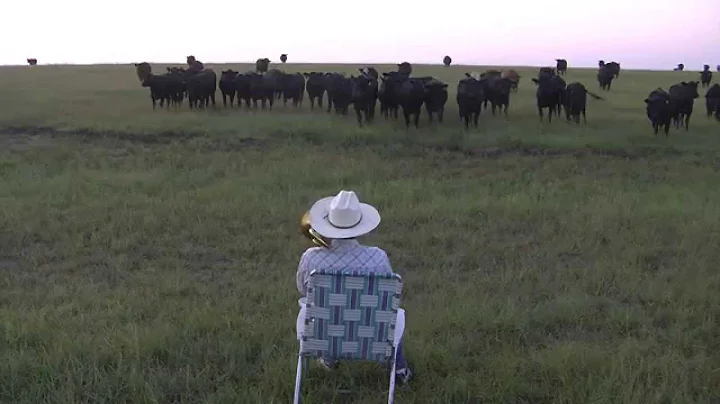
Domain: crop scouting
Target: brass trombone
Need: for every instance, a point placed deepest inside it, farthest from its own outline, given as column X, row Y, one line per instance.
column 310, row 233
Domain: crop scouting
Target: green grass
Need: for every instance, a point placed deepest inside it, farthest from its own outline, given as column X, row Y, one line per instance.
column 150, row 256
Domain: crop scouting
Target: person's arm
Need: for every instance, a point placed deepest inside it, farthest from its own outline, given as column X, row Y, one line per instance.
column 302, row 274
column 385, row 261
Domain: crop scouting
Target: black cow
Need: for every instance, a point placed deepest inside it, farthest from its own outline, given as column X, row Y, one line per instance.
column 497, row 91
column 436, row 96
column 605, row 77
column 546, row 71
column 243, row 88
column 32, row 61
column 561, row 66
column 163, row 88
column 227, row 86
column 315, row 86
column 612, row 67
column 712, row 101
column 263, row 88
column 364, row 97
column 447, row 60
column 293, row 88
column 660, row 110
column 201, row 87
column 575, row 100
column 340, row 92
column 706, row 76
column 682, row 96
column 680, row 67
column 389, row 102
column 405, row 68
column 548, row 94
column 470, row 96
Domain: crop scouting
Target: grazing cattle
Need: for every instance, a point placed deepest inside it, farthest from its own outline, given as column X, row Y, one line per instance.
column 32, row 62
column 261, row 65
column 201, row 87
column 712, row 101
column 706, row 76
column 405, row 68
column 315, row 88
column 470, row 96
column 682, row 97
column 660, row 110
column 575, row 100
column 293, row 88
column 561, row 66
column 227, row 86
column 605, row 77
column 447, row 60
column 283, row 58
column 612, row 67
column 513, row 76
column 680, row 67
column 548, row 94
column 143, row 70
column 364, row 97
column 436, row 96
column 497, row 91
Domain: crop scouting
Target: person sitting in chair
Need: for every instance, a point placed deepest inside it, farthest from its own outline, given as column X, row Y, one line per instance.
column 342, row 218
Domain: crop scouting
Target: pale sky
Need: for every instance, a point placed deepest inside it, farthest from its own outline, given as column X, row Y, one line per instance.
column 640, row 34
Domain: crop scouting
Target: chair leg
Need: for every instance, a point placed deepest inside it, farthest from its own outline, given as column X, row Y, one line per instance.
column 298, row 380
column 391, row 393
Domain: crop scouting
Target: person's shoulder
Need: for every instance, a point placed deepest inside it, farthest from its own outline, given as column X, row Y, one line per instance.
column 377, row 251
column 313, row 251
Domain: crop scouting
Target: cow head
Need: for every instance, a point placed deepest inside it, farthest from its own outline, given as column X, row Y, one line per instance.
column 405, row 68
column 190, row 60
column 228, row 74
column 693, row 88
column 143, row 70
column 601, row 63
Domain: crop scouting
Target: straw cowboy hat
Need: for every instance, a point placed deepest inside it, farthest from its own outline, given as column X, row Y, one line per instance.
column 343, row 216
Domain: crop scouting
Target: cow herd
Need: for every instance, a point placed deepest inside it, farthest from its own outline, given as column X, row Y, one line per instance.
column 399, row 90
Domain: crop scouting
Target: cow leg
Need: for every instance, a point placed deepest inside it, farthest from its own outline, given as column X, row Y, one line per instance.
column 687, row 121
column 540, row 112
column 551, row 112
column 407, row 120
column 440, row 115
column 476, row 115
column 417, row 119
column 232, row 99
column 584, row 117
column 358, row 112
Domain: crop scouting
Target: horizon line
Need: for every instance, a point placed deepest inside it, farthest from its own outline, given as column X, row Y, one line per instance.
column 330, row 63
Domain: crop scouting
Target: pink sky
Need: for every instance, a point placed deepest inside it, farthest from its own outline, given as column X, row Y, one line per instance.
column 640, row 34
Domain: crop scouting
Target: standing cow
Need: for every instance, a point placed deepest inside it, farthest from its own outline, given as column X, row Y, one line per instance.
column 659, row 110
column 680, row 67
column 706, row 76
column 32, row 62
column 712, row 101
column 561, row 66
column 283, row 58
column 682, row 96
column 447, row 60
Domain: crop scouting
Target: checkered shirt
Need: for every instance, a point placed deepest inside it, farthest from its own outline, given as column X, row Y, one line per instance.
column 347, row 255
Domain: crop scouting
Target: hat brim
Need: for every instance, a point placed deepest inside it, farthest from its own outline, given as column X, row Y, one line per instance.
column 319, row 222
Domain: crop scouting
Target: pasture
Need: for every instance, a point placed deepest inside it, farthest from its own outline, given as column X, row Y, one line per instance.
column 149, row 256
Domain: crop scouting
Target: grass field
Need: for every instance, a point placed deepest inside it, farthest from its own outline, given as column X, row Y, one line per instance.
column 149, row 257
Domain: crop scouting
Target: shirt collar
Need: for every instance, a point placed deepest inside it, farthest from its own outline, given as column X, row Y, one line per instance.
column 342, row 243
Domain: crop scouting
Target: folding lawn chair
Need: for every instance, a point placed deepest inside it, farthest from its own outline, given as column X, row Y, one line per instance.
column 351, row 315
